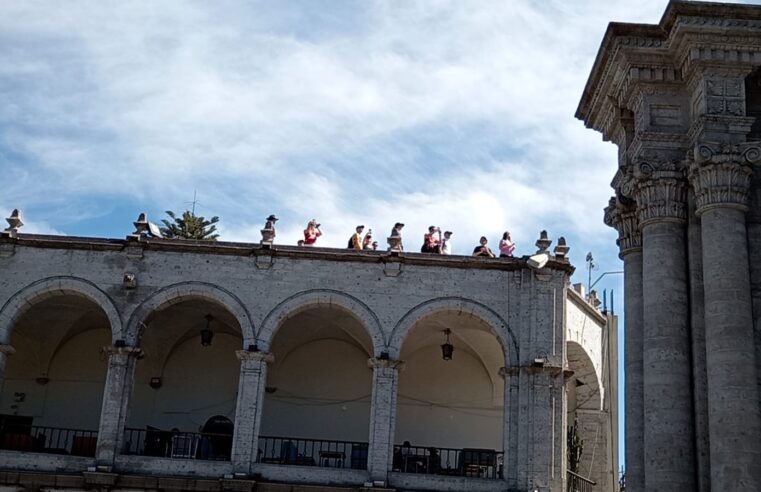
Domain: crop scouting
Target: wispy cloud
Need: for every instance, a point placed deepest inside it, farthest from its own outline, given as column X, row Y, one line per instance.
column 445, row 112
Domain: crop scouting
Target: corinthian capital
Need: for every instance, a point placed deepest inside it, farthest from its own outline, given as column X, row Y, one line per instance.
column 661, row 192
column 621, row 214
column 721, row 174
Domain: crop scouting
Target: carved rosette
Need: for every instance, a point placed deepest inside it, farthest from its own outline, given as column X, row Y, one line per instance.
column 661, row 192
column 721, row 174
column 622, row 215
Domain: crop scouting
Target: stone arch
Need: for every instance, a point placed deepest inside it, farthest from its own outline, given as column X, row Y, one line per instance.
column 498, row 325
column 585, row 377
column 183, row 291
column 321, row 297
column 24, row 300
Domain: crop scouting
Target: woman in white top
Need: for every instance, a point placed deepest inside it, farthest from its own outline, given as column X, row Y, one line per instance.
column 506, row 246
column 446, row 243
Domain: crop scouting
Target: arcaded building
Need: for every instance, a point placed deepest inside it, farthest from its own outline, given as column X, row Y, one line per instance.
column 146, row 363
column 682, row 101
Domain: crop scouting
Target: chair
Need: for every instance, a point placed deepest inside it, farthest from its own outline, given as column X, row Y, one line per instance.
column 359, row 456
column 476, row 462
column 184, row 446
column 84, row 445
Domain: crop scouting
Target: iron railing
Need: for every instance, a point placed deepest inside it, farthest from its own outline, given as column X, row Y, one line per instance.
column 178, row 444
column 466, row 462
column 577, row 483
column 54, row 440
column 312, row 452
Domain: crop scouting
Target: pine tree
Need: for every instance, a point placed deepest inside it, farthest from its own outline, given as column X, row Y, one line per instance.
column 189, row 226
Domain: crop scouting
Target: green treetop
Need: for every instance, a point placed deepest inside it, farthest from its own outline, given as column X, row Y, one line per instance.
column 189, row 226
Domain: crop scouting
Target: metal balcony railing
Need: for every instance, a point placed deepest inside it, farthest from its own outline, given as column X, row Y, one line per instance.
column 177, row 444
column 53, row 440
column 312, row 452
column 577, row 483
column 465, row 462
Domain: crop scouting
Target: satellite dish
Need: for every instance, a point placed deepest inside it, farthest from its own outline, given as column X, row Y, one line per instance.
column 154, row 230
column 538, row 261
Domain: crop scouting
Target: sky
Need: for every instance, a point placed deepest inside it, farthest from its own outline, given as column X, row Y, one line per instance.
column 439, row 112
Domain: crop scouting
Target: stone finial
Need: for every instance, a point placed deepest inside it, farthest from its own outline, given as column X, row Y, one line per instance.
column 561, row 250
column 395, row 239
column 14, row 223
column 543, row 243
column 268, row 232
column 141, row 225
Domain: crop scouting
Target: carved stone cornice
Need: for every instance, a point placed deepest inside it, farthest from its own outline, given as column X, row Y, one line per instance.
column 123, row 350
column 721, row 173
column 661, row 192
column 622, row 215
column 379, row 363
column 255, row 356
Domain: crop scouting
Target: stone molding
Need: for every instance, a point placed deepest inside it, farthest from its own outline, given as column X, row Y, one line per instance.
column 624, row 218
column 721, row 173
column 7, row 349
column 246, row 356
column 661, row 192
column 377, row 363
column 129, row 351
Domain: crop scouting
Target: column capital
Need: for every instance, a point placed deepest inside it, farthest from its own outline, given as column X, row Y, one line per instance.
column 375, row 362
column 661, row 192
column 136, row 352
column 721, row 173
column 7, row 349
column 621, row 214
column 245, row 355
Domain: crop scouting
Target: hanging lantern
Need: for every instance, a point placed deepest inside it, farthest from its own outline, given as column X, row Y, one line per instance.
column 206, row 333
column 447, row 348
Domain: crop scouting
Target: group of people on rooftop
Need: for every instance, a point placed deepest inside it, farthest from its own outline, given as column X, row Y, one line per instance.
column 434, row 241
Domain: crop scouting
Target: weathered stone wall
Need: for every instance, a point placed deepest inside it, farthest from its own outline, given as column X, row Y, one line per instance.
column 523, row 309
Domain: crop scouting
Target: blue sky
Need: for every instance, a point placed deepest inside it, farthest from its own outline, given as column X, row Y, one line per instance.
column 453, row 113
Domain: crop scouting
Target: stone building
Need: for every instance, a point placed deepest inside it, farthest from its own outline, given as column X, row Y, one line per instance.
column 147, row 364
column 682, row 100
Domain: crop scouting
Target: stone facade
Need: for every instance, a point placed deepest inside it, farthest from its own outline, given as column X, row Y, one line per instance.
column 682, row 100
column 531, row 334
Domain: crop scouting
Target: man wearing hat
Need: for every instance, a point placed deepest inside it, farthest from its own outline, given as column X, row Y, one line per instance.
column 355, row 241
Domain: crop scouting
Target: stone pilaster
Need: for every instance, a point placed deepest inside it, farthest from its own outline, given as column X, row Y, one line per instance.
column 535, row 428
column 669, row 449
column 5, row 351
column 248, row 409
column 721, row 174
column 120, row 378
column 383, row 416
column 622, row 215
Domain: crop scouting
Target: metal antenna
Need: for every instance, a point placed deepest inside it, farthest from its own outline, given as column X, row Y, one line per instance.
column 590, row 265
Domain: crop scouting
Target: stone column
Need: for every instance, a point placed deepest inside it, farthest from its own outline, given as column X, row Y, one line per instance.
column 669, row 449
column 383, row 416
column 5, row 351
column 721, row 177
column 248, row 409
column 120, row 379
column 622, row 215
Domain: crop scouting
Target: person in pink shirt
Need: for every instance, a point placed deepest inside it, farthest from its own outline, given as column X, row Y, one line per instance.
column 506, row 246
column 311, row 233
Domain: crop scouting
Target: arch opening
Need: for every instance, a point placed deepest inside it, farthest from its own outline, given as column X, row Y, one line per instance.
column 317, row 399
column 58, row 340
column 449, row 417
column 753, row 103
column 587, row 446
column 188, row 374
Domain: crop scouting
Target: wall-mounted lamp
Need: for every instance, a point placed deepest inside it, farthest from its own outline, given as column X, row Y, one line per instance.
column 155, row 383
column 206, row 333
column 447, row 348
